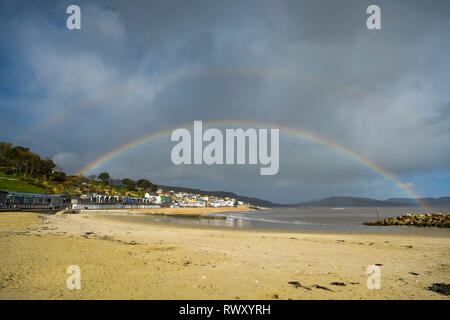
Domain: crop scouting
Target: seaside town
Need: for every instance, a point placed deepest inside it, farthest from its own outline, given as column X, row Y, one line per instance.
column 158, row 199
column 28, row 181
column 161, row 198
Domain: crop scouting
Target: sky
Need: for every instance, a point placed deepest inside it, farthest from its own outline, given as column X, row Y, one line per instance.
column 139, row 67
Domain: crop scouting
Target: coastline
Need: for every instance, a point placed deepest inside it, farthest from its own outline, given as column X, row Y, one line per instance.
column 186, row 212
column 390, row 230
column 127, row 260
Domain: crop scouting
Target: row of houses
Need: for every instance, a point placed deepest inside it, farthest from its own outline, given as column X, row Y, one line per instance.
column 159, row 199
column 188, row 199
column 17, row 200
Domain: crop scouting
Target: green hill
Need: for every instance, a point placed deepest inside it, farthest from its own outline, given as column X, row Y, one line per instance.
column 16, row 184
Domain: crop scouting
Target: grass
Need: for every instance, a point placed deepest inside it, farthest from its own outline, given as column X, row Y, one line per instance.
column 20, row 186
column 14, row 183
column 3, row 174
column 17, row 183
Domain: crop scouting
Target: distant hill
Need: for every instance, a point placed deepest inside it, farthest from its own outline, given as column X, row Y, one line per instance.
column 24, row 171
column 368, row 202
column 224, row 194
column 327, row 202
column 433, row 202
column 351, row 202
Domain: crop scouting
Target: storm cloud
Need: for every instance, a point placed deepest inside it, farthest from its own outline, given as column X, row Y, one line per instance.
column 138, row 67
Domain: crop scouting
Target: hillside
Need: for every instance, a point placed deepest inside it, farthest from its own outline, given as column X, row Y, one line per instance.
column 225, row 194
column 433, row 202
column 349, row 202
column 24, row 171
column 71, row 185
column 16, row 183
column 368, row 202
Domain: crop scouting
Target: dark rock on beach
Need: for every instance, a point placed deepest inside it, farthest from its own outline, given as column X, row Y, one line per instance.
column 442, row 288
column 321, row 287
column 341, row 284
column 298, row 285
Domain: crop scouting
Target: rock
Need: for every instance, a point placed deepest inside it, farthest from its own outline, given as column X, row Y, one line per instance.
column 442, row 288
column 298, row 285
column 439, row 220
column 295, row 284
column 321, row 287
column 341, row 284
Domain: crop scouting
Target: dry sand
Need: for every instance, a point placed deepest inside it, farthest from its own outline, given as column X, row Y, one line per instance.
column 123, row 260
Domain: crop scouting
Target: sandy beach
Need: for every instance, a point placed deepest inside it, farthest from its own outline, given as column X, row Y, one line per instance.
column 127, row 260
column 195, row 211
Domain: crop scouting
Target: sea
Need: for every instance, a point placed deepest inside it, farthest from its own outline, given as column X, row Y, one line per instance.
column 346, row 219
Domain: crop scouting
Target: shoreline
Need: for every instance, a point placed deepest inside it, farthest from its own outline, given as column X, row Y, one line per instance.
column 126, row 260
column 400, row 231
column 179, row 211
column 386, row 230
column 138, row 215
column 188, row 212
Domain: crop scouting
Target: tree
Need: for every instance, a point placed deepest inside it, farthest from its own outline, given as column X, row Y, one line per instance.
column 129, row 184
column 144, row 184
column 21, row 160
column 5, row 149
column 81, row 179
column 35, row 160
column 46, row 167
column 104, row 176
column 59, row 176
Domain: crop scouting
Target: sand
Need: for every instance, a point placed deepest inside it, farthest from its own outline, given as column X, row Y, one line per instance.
column 177, row 211
column 126, row 260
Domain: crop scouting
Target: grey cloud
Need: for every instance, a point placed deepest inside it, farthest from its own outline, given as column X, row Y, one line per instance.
column 143, row 66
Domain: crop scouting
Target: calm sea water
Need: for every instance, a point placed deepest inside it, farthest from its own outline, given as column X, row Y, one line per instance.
column 301, row 219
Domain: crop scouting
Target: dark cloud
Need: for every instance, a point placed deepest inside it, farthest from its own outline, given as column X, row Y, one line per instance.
column 143, row 66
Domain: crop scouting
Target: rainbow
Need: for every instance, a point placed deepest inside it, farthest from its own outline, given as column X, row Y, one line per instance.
column 257, row 124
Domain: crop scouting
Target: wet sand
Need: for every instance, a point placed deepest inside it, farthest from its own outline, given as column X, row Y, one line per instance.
column 202, row 211
column 129, row 260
